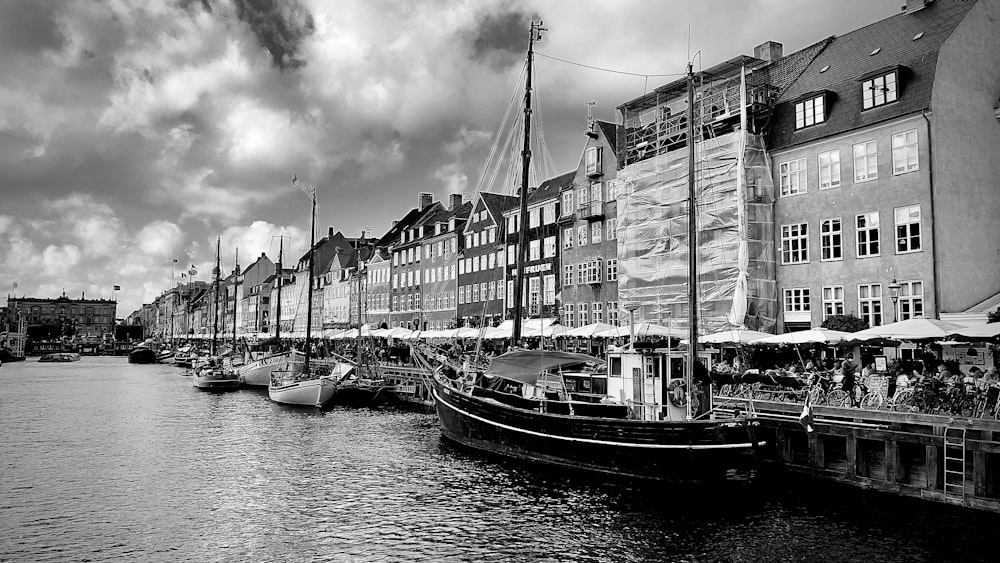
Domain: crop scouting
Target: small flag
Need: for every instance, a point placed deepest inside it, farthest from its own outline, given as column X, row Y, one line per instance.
column 118, row 288
column 295, row 179
column 193, row 271
column 175, row 260
column 184, row 275
column 14, row 285
column 806, row 418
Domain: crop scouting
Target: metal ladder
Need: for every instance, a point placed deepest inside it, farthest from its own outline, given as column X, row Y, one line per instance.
column 954, row 464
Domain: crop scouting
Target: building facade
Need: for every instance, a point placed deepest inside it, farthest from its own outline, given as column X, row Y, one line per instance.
column 481, row 276
column 541, row 253
column 440, row 264
column 406, row 250
column 588, row 233
column 62, row 316
column 378, row 290
column 872, row 170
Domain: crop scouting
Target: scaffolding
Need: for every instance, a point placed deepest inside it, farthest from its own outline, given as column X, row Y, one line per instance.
column 735, row 235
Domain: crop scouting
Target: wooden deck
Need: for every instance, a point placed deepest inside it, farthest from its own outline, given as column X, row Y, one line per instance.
column 899, row 453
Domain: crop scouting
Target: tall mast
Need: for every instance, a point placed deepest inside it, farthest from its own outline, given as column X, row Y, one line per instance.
column 236, row 283
column 522, row 242
column 692, row 249
column 361, row 264
column 215, row 305
column 277, row 278
column 309, row 300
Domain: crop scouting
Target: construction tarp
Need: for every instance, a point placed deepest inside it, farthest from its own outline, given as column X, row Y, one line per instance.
column 735, row 252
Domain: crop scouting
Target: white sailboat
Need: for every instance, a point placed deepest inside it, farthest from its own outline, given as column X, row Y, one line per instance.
column 212, row 375
column 256, row 372
column 310, row 384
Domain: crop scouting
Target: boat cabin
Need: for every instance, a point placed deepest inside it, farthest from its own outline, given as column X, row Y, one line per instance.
column 652, row 379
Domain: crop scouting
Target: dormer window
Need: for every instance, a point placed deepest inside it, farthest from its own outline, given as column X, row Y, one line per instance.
column 810, row 111
column 592, row 159
column 880, row 88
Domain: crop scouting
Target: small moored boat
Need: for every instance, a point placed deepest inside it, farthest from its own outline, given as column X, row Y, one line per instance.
column 60, row 357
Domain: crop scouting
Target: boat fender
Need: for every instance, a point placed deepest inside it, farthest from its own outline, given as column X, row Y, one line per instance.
column 676, row 393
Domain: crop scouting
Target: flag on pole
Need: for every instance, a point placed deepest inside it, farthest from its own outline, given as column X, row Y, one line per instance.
column 184, row 274
column 193, row 271
column 175, row 260
column 806, row 418
column 14, row 285
column 295, row 179
column 118, row 288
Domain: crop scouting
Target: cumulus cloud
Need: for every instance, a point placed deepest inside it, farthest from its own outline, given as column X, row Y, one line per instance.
column 160, row 238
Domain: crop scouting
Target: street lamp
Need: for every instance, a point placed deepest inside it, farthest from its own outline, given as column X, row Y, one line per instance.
column 894, row 295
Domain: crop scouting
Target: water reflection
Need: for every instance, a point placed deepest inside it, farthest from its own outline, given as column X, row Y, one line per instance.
column 104, row 460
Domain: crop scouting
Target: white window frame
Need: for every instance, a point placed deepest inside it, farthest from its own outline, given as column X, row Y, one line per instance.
column 792, row 177
column 829, row 169
column 596, row 232
column 613, row 313
column 809, row 112
column 612, row 229
column 909, row 231
column 549, row 250
column 870, row 303
column 911, row 300
column 878, row 91
column 568, row 237
column 597, row 311
column 865, row 161
column 567, row 275
column 905, row 153
column 833, row 300
column 583, row 314
column 864, row 247
column 795, row 243
column 567, row 203
column 581, row 235
column 569, row 315
column 534, row 249
column 831, row 240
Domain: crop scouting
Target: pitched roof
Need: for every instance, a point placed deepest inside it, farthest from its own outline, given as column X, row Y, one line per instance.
column 850, row 56
column 550, row 188
column 496, row 204
column 610, row 132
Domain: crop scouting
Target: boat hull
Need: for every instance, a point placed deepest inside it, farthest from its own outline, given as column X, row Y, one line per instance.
column 258, row 372
column 310, row 392
column 658, row 450
column 215, row 382
column 142, row 356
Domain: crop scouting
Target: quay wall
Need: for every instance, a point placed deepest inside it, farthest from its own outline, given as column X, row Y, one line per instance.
column 939, row 458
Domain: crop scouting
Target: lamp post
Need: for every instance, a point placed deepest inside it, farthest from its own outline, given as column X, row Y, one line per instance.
column 894, row 295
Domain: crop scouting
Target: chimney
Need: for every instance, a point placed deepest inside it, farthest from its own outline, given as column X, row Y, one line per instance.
column 455, row 200
column 330, row 232
column 911, row 6
column 769, row 51
column 424, row 199
column 395, row 222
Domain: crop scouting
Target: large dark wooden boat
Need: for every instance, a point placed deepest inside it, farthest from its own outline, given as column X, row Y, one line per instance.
column 637, row 423
column 145, row 353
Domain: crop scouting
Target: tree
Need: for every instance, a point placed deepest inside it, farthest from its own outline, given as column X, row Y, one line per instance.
column 844, row 323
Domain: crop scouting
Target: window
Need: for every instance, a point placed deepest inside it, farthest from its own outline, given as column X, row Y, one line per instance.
column 904, row 152
column 865, row 162
column 809, row 112
column 792, row 177
column 511, row 224
column 833, row 300
column 829, row 169
column 795, row 243
column 533, row 294
column 592, row 160
column 581, row 273
column 878, row 91
column 568, row 237
column 911, row 300
column 500, row 258
column 461, row 295
column 612, row 229
column 475, row 293
column 395, row 259
column 568, row 316
column 511, row 255
column 550, row 213
column 584, row 315
column 613, row 313
column 395, row 303
column 613, row 189
column 475, row 263
column 797, row 300
column 592, row 272
column 867, row 234
column 567, row 202
column 534, row 250
column 870, row 303
column 549, row 293
column 597, row 191
column 534, row 217
column 598, row 310
column 581, row 235
column 596, row 231
column 907, row 229
column 510, row 293
column 550, row 247
column 492, row 260
column 613, row 270
column 568, row 274
column 582, row 197
column 831, row 240
column 493, row 234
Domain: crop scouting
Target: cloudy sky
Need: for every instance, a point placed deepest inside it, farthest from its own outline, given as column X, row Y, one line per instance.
column 132, row 133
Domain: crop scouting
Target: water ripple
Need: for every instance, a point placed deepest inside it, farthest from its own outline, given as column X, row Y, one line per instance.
column 102, row 460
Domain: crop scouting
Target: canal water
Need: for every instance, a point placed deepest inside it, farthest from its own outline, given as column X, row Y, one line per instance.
column 102, row 460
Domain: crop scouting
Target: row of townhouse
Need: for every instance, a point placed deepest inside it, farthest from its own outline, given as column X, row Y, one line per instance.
column 858, row 175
